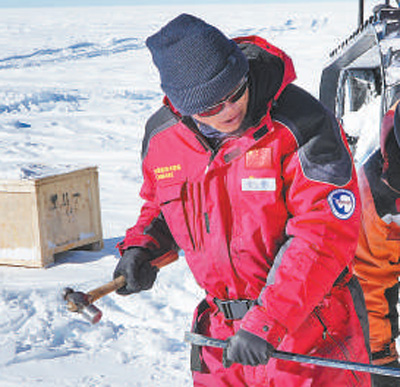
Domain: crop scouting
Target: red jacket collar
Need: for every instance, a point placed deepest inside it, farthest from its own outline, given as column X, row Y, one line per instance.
column 289, row 75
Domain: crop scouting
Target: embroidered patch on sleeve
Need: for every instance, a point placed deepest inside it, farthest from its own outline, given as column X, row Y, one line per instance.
column 259, row 158
column 342, row 203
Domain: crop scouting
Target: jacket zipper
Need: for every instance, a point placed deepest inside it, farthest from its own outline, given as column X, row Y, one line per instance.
column 185, row 194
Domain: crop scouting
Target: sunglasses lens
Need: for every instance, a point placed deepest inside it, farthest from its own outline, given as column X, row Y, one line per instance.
column 234, row 97
column 213, row 111
column 239, row 94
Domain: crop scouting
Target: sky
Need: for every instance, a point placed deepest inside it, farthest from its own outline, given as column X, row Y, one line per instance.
column 72, row 3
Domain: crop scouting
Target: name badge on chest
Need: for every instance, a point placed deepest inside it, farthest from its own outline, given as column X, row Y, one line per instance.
column 259, row 184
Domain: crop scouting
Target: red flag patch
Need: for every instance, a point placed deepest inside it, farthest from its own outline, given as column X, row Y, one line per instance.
column 259, row 158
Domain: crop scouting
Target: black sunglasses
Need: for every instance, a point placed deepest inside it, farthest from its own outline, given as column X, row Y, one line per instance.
column 231, row 98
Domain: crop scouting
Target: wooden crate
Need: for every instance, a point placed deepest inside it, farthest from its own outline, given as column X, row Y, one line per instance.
column 45, row 216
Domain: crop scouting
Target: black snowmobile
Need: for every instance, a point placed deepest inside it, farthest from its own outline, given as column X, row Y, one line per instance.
column 363, row 77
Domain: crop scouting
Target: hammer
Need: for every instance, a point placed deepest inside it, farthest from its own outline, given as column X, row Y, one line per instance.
column 82, row 303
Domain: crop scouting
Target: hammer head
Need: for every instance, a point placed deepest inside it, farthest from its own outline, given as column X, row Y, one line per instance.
column 79, row 302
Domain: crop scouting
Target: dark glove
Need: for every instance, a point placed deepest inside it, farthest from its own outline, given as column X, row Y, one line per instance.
column 135, row 266
column 247, row 349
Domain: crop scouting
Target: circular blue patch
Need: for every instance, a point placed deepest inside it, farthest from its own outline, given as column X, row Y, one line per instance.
column 342, row 203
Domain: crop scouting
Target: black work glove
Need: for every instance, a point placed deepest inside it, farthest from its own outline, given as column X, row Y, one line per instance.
column 135, row 266
column 247, row 349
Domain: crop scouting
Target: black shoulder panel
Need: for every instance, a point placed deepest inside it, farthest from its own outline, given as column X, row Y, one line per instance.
column 159, row 121
column 322, row 152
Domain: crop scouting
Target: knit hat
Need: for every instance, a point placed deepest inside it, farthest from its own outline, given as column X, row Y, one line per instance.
column 198, row 64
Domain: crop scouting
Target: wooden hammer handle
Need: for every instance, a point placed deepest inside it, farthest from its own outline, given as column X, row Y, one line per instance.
column 119, row 282
column 165, row 259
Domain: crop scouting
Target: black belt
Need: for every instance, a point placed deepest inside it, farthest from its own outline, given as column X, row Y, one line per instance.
column 233, row 309
column 236, row 309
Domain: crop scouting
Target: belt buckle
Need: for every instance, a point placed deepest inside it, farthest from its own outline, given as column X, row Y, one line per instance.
column 235, row 309
column 226, row 309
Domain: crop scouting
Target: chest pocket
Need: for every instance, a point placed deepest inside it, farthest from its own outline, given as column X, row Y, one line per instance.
column 182, row 207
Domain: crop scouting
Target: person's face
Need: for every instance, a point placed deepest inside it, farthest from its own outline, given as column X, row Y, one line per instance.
column 230, row 117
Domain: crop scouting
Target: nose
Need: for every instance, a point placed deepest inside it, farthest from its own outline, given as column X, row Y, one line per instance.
column 229, row 106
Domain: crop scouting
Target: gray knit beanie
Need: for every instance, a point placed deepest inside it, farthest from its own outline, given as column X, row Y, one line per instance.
column 198, row 64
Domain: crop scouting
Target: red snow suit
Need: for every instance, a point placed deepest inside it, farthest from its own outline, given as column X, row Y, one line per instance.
column 270, row 217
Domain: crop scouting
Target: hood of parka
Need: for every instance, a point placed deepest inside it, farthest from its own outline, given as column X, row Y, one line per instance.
column 265, row 80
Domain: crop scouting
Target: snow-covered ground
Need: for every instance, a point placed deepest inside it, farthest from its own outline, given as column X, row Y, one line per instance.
column 76, row 87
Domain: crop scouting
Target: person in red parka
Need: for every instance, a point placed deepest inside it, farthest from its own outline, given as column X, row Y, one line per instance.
column 252, row 178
